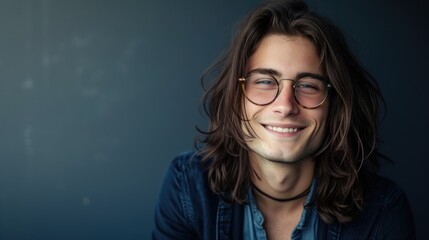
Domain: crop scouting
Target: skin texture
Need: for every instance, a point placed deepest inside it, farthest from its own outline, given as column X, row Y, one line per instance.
column 288, row 56
column 283, row 161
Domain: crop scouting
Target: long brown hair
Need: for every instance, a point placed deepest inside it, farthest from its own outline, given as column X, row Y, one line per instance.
column 350, row 145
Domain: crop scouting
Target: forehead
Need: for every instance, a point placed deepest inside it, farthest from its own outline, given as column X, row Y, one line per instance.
column 286, row 54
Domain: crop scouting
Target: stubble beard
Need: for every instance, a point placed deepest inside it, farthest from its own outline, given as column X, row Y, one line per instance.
column 281, row 157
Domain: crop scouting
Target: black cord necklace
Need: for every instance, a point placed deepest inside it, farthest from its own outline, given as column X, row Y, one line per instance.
column 306, row 191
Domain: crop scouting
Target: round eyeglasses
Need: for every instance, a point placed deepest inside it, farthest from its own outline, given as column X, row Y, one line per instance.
column 262, row 89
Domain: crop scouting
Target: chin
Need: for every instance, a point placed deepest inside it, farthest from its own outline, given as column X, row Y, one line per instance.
column 278, row 157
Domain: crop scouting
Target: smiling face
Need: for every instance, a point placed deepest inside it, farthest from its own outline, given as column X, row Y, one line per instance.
column 284, row 131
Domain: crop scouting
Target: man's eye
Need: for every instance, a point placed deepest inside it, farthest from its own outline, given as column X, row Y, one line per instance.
column 307, row 86
column 265, row 82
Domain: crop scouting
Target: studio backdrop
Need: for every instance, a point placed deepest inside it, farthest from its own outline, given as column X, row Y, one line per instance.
column 98, row 96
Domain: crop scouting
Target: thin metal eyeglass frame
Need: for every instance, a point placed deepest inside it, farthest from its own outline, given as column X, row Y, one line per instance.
column 242, row 80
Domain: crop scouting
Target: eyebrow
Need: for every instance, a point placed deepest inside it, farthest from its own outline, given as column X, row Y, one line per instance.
column 276, row 73
column 268, row 71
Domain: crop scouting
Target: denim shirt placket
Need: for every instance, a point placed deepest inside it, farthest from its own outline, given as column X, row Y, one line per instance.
column 306, row 214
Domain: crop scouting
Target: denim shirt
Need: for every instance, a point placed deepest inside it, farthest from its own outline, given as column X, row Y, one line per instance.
column 307, row 227
column 188, row 209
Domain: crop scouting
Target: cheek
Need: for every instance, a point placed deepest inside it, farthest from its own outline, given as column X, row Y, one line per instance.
column 245, row 124
column 249, row 110
column 250, row 114
column 321, row 120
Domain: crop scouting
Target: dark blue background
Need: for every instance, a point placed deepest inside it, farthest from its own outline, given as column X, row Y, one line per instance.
column 97, row 96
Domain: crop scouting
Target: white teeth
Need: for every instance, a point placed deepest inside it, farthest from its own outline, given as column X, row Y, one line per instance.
column 282, row 130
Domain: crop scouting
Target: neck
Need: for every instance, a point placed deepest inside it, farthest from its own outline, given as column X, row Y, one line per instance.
column 281, row 182
column 301, row 195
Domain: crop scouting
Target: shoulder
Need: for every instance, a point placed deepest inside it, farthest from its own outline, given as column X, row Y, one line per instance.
column 187, row 167
column 385, row 196
column 186, row 171
column 381, row 190
column 386, row 214
column 185, row 203
column 187, row 161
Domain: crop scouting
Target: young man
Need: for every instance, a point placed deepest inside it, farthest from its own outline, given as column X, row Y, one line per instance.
column 291, row 149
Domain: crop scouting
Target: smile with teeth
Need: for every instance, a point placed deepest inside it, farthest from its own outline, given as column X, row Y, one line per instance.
column 282, row 130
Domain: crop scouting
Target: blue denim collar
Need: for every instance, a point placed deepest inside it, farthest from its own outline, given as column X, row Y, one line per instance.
column 303, row 222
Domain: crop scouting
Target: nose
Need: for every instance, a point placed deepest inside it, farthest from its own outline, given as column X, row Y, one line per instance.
column 285, row 103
